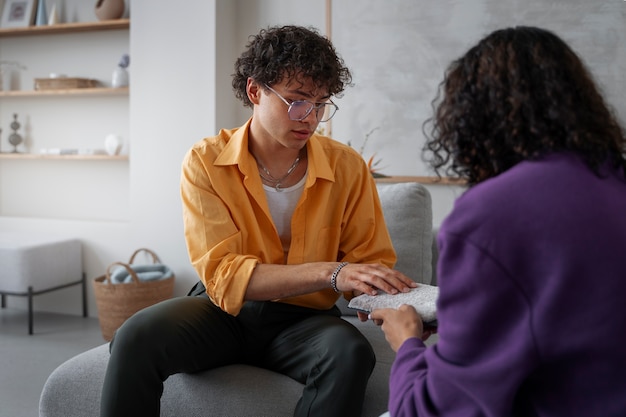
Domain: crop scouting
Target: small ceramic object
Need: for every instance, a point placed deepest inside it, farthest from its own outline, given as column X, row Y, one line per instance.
column 7, row 78
column 42, row 15
column 53, row 19
column 120, row 74
column 120, row 77
column 113, row 144
column 10, row 75
column 110, row 9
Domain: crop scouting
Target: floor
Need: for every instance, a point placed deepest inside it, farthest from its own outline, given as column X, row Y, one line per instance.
column 26, row 361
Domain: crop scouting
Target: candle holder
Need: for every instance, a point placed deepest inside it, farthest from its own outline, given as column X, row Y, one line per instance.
column 15, row 138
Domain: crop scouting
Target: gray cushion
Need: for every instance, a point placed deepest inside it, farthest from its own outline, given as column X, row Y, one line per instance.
column 407, row 208
column 74, row 388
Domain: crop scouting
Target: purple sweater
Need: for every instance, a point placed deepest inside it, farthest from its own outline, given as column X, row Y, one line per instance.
column 532, row 306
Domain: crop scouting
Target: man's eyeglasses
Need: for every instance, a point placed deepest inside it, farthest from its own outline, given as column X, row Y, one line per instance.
column 300, row 109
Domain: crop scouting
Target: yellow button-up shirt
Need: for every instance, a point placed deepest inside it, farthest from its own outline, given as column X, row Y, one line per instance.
column 229, row 228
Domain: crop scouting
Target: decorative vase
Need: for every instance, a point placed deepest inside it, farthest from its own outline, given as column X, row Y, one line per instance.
column 42, row 15
column 110, row 9
column 120, row 77
column 113, row 144
column 9, row 75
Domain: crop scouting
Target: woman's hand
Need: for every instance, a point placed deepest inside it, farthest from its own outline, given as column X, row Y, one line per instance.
column 399, row 325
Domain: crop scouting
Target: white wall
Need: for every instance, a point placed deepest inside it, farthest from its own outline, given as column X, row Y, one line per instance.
column 173, row 105
column 254, row 15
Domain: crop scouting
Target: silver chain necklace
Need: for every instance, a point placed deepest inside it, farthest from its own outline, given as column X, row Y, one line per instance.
column 276, row 182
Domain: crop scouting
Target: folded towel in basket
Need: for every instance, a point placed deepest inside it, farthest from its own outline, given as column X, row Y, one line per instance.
column 152, row 272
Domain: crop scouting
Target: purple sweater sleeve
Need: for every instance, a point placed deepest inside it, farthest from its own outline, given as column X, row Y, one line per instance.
column 482, row 355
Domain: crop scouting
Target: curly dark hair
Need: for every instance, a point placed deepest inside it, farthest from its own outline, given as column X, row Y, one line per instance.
column 519, row 94
column 290, row 51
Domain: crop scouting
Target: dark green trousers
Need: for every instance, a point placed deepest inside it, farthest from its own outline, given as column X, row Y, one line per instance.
column 189, row 334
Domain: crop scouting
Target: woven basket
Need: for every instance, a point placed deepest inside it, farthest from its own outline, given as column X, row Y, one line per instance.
column 117, row 302
column 64, row 83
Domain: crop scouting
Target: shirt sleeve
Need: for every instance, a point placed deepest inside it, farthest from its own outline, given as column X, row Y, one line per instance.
column 214, row 242
column 485, row 348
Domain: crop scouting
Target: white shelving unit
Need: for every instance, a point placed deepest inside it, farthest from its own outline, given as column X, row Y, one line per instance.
column 37, row 184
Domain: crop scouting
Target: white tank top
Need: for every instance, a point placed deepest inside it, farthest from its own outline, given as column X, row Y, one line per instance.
column 282, row 204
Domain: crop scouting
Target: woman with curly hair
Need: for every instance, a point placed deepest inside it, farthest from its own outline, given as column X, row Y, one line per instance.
column 279, row 221
column 531, row 312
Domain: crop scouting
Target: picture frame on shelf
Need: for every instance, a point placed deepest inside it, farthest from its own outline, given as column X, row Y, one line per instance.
column 18, row 13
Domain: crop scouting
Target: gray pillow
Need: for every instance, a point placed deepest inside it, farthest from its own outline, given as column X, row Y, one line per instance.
column 407, row 209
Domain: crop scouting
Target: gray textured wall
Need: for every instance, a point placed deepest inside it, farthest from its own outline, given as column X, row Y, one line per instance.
column 398, row 50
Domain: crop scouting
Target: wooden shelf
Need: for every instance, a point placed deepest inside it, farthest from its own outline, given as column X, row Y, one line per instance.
column 67, row 92
column 21, row 156
column 118, row 24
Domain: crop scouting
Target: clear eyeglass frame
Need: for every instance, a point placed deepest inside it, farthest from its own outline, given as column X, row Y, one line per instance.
column 300, row 109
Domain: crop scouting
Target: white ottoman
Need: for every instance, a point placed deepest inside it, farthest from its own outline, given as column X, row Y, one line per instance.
column 33, row 264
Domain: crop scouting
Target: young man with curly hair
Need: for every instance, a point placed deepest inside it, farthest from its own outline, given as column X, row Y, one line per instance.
column 532, row 272
column 279, row 221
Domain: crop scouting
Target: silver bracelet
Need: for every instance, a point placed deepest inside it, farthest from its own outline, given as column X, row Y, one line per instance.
column 333, row 277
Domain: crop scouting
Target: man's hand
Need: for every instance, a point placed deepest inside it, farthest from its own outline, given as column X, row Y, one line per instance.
column 399, row 325
column 273, row 281
column 370, row 278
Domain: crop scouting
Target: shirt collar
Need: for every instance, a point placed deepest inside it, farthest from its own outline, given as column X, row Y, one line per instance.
column 236, row 152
